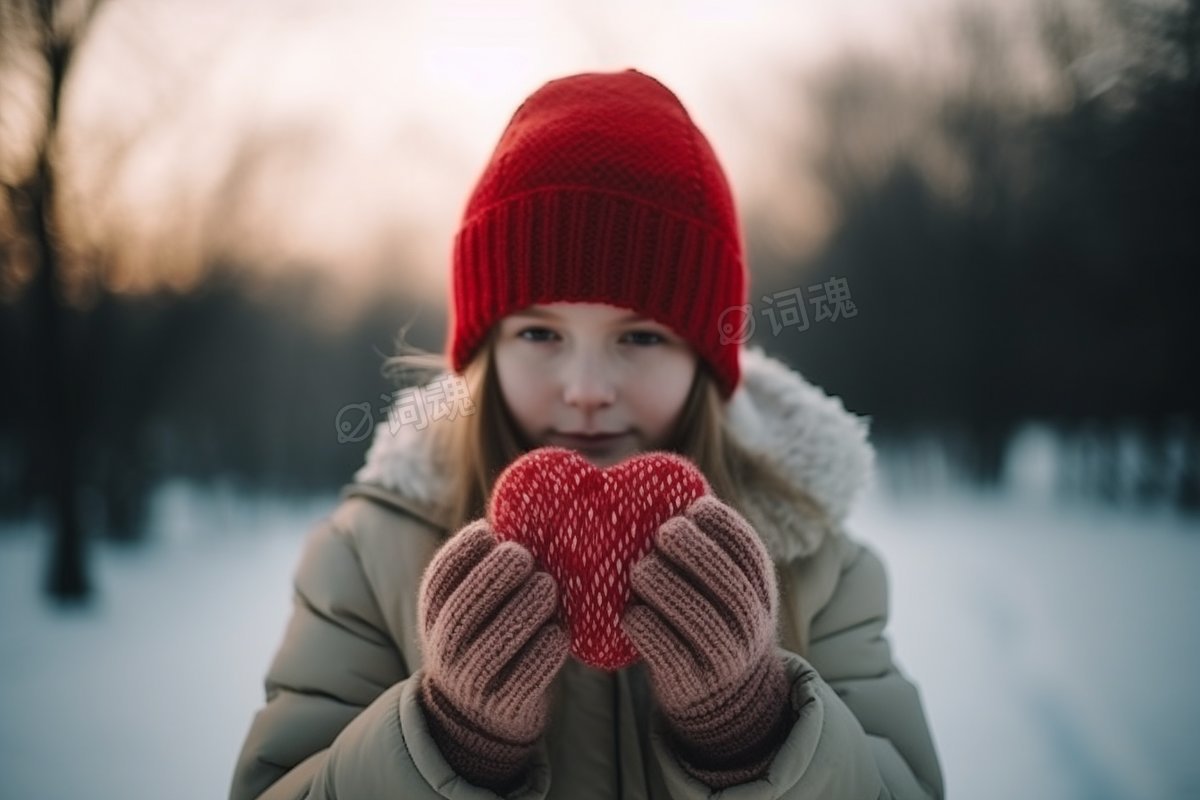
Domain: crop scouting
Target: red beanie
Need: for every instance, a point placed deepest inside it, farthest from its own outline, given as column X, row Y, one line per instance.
column 602, row 189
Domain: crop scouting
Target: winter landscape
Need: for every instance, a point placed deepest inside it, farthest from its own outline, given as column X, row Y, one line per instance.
column 1053, row 645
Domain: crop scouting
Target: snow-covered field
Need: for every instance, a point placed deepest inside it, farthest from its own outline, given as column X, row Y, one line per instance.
column 1055, row 647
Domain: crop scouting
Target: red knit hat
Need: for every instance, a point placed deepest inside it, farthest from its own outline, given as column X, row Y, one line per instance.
column 602, row 189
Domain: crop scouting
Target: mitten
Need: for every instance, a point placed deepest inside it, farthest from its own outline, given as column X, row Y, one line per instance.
column 703, row 617
column 492, row 646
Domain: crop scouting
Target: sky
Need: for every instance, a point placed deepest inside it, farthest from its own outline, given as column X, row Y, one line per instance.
column 375, row 118
column 347, row 136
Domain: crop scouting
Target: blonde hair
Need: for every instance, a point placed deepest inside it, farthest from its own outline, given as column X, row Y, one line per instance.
column 477, row 447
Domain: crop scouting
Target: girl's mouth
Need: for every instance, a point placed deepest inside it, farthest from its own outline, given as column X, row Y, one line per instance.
column 585, row 442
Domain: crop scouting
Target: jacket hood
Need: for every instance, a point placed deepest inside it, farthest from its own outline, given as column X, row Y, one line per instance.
column 817, row 444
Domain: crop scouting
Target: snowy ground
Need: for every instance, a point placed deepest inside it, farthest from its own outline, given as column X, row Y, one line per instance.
column 1055, row 648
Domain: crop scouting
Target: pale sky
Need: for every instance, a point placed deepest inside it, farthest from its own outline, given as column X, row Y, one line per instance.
column 364, row 124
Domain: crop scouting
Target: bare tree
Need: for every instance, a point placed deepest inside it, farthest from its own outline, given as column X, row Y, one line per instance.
column 38, row 39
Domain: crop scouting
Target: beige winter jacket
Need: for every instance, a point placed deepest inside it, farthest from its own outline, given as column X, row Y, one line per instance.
column 341, row 718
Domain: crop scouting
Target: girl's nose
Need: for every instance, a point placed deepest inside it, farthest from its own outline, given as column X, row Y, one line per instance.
column 586, row 384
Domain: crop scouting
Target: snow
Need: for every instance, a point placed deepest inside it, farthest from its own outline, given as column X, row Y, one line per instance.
column 1053, row 646
column 149, row 693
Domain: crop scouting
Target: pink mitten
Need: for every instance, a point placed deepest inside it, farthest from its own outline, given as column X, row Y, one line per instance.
column 704, row 621
column 492, row 646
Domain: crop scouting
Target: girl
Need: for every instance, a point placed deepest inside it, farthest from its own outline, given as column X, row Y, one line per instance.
column 594, row 274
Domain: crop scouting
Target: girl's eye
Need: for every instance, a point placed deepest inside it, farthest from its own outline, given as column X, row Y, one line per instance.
column 521, row 334
column 655, row 338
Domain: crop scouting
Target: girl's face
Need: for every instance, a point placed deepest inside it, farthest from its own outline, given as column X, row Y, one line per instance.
column 592, row 368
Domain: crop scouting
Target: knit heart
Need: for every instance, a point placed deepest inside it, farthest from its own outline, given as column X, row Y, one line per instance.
column 587, row 527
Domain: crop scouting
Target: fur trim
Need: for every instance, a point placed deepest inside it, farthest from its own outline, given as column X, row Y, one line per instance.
column 809, row 435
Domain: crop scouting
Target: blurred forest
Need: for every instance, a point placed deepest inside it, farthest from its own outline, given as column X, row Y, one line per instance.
column 1010, row 262
column 1053, row 280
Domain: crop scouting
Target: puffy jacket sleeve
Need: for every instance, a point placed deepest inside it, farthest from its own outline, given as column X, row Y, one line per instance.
column 860, row 731
column 341, row 718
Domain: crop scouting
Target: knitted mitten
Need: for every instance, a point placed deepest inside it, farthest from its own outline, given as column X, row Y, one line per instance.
column 492, row 647
column 703, row 618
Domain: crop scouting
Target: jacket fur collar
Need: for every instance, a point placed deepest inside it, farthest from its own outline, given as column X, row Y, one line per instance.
column 815, row 441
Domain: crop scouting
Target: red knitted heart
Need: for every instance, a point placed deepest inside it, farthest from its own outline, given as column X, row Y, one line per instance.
column 587, row 527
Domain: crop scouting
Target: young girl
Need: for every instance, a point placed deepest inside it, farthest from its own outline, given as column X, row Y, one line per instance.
column 595, row 271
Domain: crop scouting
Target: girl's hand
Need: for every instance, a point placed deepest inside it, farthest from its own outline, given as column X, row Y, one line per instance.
column 492, row 647
column 703, row 618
